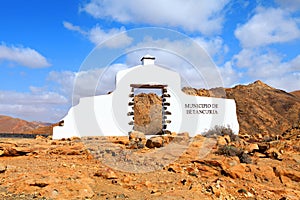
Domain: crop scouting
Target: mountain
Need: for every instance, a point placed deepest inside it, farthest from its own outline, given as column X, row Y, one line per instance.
column 263, row 109
column 15, row 125
column 296, row 93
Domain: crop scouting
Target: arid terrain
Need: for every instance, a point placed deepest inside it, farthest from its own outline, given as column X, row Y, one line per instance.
column 185, row 168
column 263, row 162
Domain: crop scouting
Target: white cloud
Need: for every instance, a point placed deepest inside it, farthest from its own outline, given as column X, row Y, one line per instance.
column 288, row 82
column 292, row 5
column 42, row 106
column 72, row 27
column 270, row 68
column 193, row 15
column 266, row 27
column 97, row 35
column 215, row 47
column 11, row 97
column 229, row 75
column 26, row 57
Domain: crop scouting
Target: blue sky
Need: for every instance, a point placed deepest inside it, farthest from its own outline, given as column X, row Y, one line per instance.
column 44, row 43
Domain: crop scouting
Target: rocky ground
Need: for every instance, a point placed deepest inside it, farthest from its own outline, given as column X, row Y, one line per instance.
column 174, row 166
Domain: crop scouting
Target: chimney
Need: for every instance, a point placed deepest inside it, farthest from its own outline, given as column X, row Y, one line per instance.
column 148, row 60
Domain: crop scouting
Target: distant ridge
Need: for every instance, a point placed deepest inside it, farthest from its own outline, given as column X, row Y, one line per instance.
column 12, row 125
column 296, row 93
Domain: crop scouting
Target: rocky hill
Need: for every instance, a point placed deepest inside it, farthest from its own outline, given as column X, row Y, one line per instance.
column 15, row 125
column 263, row 109
column 296, row 93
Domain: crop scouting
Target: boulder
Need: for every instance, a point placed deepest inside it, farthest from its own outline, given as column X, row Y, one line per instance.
column 107, row 174
column 155, row 142
column 274, row 154
column 251, row 148
column 136, row 135
column 137, row 140
column 221, row 141
column 2, row 168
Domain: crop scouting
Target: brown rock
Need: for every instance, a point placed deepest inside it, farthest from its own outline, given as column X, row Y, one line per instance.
column 227, row 138
column 260, row 155
column 176, row 168
column 274, row 154
column 136, row 135
column 127, row 179
column 221, row 141
column 155, row 142
column 236, row 171
column 137, row 140
column 39, row 137
column 107, row 174
column 251, row 148
column 2, row 168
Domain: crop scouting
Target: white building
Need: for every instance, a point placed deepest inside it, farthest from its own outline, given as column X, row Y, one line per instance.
column 111, row 114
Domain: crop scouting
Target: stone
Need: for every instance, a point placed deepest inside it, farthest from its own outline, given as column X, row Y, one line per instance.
column 227, row 138
column 127, row 179
column 274, row 154
column 136, row 135
column 251, row 148
column 39, row 137
column 221, row 141
column 155, row 142
column 236, row 171
column 2, row 168
column 176, row 168
column 107, row 174
column 137, row 140
column 122, row 140
column 259, row 155
column 216, row 191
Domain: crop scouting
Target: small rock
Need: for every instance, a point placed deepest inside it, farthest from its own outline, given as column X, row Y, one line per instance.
column 148, row 184
column 227, row 138
column 2, row 168
column 175, row 168
column 108, row 174
column 1, row 152
column 155, row 142
column 221, row 141
column 39, row 137
column 274, row 154
column 216, row 191
column 127, row 179
column 259, row 155
column 252, row 147
column 137, row 135
column 137, row 140
column 184, row 134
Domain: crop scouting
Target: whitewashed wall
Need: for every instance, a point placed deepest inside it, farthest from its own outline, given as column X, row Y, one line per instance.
column 106, row 115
